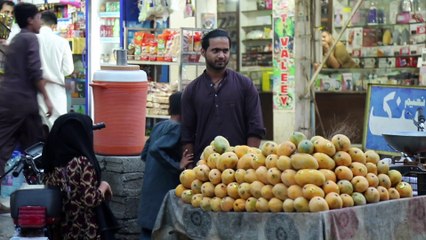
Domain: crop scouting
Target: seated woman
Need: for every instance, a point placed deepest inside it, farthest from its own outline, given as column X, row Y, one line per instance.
column 70, row 164
column 340, row 57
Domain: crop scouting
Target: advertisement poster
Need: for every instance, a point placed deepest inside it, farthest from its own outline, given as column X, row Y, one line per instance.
column 390, row 109
column 283, row 56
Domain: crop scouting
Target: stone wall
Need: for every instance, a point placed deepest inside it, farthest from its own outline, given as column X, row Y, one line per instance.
column 125, row 175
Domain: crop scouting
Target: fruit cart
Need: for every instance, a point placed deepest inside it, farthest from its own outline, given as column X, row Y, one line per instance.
column 383, row 220
column 302, row 188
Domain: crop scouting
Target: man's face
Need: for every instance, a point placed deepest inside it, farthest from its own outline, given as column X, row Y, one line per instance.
column 35, row 23
column 217, row 54
column 7, row 9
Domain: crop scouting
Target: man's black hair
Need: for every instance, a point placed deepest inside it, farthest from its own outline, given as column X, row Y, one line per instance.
column 174, row 103
column 49, row 18
column 23, row 11
column 205, row 42
column 10, row 3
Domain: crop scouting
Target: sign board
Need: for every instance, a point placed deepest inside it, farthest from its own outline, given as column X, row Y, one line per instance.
column 390, row 108
column 284, row 63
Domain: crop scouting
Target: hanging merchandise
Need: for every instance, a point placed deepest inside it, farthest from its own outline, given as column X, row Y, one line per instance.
column 189, row 9
column 154, row 9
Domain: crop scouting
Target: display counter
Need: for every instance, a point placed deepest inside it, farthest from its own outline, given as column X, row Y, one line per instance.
column 395, row 219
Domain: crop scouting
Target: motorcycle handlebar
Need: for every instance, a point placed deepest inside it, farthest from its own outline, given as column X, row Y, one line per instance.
column 98, row 126
column 18, row 168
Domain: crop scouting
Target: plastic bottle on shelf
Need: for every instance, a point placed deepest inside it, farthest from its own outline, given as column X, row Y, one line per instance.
column 102, row 28
column 372, row 13
column 10, row 183
column 108, row 28
column 116, row 28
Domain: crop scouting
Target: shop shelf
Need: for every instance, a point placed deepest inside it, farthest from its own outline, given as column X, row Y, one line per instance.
column 158, row 116
column 264, row 11
column 256, row 68
column 257, row 40
column 393, row 56
column 341, row 92
column 110, row 39
column 233, row 13
column 248, row 28
column 194, row 63
column 343, row 70
column 382, row 25
column 151, row 62
column 255, row 52
column 109, row 14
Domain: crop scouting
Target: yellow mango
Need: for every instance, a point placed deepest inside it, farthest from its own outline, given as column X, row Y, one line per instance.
column 305, row 176
column 310, row 190
column 341, row 142
column 324, row 161
column 342, row 158
column 357, row 155
column 286, row 148
column 334, row 200
column 303, row 161
column 323, row 145
column 318, row 204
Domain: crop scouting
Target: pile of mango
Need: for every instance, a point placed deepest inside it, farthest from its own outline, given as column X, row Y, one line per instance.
column 297, row 175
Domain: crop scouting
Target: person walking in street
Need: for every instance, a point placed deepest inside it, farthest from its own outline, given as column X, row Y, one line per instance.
column 164, row 162
column 20, row 122
column 220, row 101
column 56, row 63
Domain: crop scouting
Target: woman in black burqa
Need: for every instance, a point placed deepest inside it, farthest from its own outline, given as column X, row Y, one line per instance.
column 70, row 164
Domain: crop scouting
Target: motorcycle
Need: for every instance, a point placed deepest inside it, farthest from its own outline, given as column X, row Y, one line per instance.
column 36, row 209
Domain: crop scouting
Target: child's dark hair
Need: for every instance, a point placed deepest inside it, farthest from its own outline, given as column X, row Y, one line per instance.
column 23, row 11
column 205, row 42
column 174, row 103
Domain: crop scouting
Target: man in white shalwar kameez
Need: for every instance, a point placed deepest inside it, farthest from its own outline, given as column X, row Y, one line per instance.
column 56, row 63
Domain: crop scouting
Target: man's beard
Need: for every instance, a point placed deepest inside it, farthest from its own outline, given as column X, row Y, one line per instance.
column 216, row 66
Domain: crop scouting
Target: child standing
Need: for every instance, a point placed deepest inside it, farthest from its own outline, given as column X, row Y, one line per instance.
column 164, row 162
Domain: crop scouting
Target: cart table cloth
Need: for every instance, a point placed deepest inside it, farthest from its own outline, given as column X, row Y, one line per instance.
column 394, row 219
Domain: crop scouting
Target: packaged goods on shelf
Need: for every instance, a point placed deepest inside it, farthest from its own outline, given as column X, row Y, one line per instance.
column 158, row 98
column 148, row 46
column 385, row 41
column 191, row 46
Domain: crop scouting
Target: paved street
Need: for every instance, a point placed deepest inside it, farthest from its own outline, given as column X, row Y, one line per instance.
column 6, row 226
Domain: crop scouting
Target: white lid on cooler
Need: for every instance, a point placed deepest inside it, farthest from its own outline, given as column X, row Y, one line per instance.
column 116, row 73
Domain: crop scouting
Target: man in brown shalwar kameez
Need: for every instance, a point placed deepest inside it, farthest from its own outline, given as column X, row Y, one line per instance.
column 20, row 122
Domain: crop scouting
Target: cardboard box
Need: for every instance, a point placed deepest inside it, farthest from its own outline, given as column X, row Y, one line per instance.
column 354, row 39
column 370, row 37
